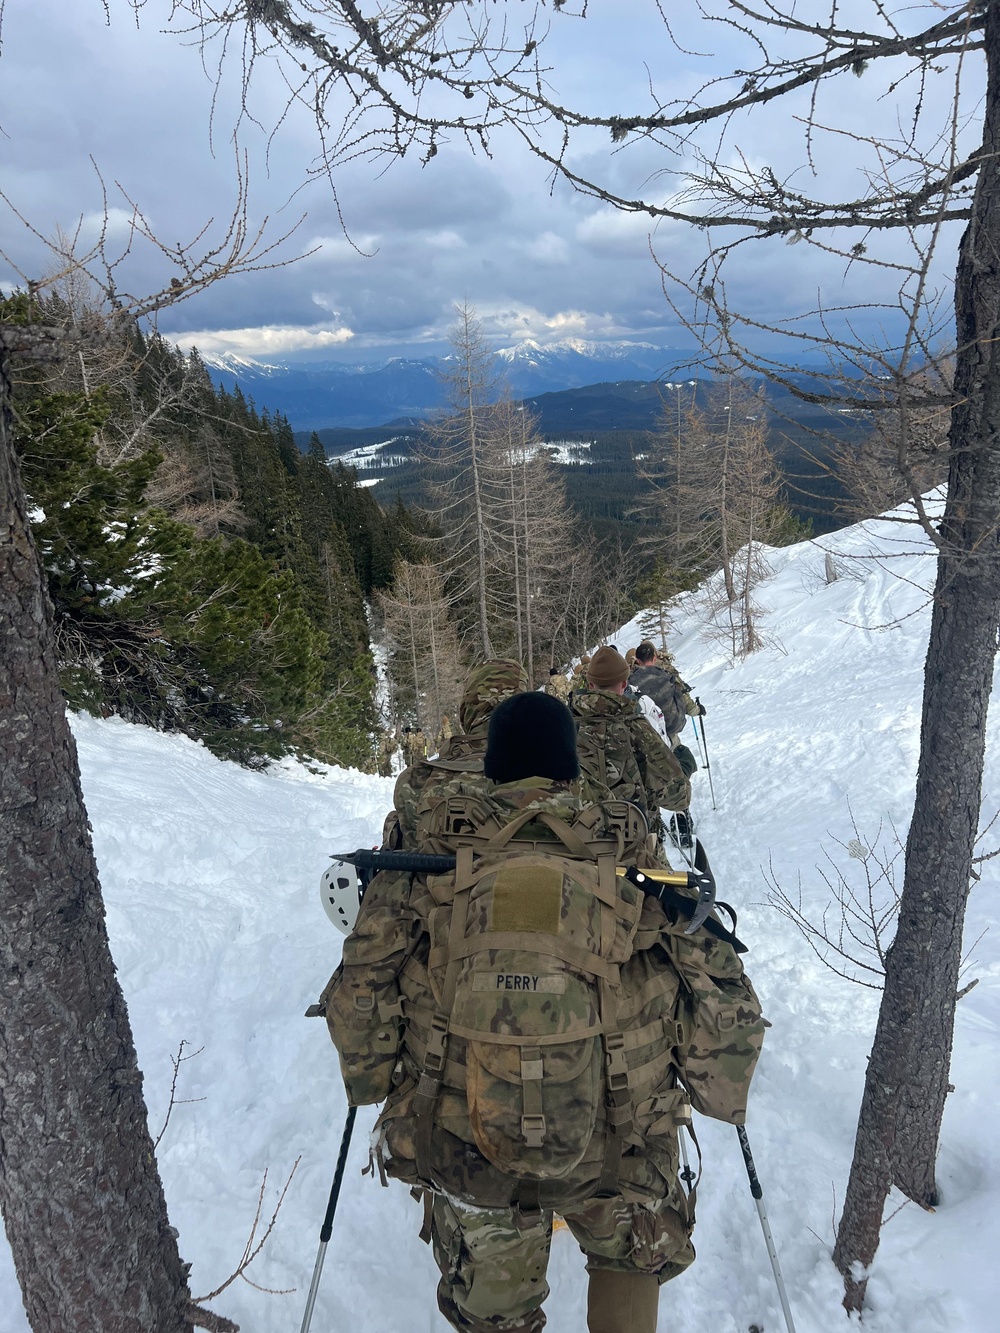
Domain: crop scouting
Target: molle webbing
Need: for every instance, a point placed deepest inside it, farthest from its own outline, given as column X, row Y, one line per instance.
column 516, row 929
column 573, row 954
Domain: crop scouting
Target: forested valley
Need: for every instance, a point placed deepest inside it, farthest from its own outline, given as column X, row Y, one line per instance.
column 209, row 576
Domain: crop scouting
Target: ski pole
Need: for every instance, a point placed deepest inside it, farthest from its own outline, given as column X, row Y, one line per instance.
column 687, row 1175
column 326, row 1231
column 703, row 743
column 758, row 1196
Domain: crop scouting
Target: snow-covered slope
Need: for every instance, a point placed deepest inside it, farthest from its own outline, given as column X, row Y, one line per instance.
column 210, row 878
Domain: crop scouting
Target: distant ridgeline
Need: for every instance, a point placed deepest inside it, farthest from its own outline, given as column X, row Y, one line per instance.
column 207, row 577
column 601, row 432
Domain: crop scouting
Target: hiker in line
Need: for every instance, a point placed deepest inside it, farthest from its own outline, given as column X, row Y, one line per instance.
column 487, row 685
column 578, row 678
column 444, row 732
column 385, row 753
column 414, row 746
column 619, row 751
column 477, row 1125
column 661, row 681
column 558, row 685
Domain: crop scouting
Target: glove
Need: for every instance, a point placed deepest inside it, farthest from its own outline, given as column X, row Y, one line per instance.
column 702, row 710
column 686, row 760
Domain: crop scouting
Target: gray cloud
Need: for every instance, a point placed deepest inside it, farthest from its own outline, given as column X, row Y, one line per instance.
column 534, row 261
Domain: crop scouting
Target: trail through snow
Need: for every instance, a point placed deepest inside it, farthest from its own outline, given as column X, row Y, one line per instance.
column 210, row 876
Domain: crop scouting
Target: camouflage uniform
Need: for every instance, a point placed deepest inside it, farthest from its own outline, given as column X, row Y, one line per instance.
column 620, row 753
column 492, row 1253
column 559, row 687
column 488, row 684
column 493, row 1261
column 444, row 735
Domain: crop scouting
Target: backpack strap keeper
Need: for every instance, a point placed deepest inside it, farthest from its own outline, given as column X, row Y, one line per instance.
column 532, row 1073
column 533, row 1130
column 428, row 1087
column 618, row 1104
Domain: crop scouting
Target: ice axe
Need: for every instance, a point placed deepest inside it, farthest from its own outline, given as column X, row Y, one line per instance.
column 344, row 882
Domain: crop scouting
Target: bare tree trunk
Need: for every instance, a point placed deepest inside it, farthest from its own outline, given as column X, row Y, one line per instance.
column 81, row 1196
column 415, row 667
column 907, row 1080
column 725, row 555
column 468, row 347
column 435, row 666
column 528, row 565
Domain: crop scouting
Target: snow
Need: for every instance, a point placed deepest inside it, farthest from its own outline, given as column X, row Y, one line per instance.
column 569, row 452
column 210, row 875
column 371, row 455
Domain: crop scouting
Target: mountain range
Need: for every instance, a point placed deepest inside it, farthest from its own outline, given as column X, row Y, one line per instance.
column 314, row 395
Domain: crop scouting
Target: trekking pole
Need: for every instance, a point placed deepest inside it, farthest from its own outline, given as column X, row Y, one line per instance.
column 758, row 1196
column 327, row 1228
column 687, row 1175
column 703, row 742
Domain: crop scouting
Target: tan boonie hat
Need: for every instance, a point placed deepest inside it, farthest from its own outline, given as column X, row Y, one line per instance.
column 606, row 669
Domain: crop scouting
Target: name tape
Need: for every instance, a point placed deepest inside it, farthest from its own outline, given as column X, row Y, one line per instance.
column 520, row 981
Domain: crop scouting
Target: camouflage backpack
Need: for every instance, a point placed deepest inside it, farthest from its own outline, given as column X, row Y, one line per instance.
column 604, row 746
column 532, row 1019
column 526, row 943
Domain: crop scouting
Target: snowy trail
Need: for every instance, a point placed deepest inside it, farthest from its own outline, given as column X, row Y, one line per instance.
column 210, row 876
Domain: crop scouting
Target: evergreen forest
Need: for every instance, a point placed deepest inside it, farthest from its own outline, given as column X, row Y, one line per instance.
column 207, row 576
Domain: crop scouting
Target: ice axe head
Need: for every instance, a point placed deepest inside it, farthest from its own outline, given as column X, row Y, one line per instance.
column 340, row 891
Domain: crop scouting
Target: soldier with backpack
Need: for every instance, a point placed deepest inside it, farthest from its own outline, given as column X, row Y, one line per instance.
column 661, row 681
column 487, row 685
column 539, row 1029
column 558, row 685
column 619, row 751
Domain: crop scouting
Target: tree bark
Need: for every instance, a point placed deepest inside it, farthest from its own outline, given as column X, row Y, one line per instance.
column 81, row 1197
column 907, row 1079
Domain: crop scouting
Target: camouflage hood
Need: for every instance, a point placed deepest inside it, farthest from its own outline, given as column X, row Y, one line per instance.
column 488, row 685
column 542, row 794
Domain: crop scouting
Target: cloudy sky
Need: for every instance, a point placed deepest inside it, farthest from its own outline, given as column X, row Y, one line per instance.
column 132, row 99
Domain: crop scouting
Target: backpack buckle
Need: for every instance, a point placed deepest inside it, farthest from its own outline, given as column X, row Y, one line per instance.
column 533, row 1130
column 617, row 1064
column 437, row 1041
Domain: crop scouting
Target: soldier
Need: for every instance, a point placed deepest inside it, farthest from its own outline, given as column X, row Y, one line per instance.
column 619, row 751
column 449, row 1120
column 386, row 750
column 487, row 684
column 444, row 734
column 660, row 680
column 558, row 685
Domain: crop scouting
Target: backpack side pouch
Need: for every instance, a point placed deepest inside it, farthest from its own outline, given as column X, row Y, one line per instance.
column 364, row 1010
column 720, row 1024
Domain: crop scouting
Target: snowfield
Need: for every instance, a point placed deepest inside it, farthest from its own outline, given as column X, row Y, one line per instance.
column 210, row 876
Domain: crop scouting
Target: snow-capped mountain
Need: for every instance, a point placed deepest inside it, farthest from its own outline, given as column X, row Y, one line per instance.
column 314, row 395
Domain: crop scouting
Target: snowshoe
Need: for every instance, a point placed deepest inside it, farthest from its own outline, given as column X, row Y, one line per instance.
column 681, row 829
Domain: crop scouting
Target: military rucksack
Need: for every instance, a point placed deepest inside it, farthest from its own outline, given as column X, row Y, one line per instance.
column 607, row 757
column 526, row 943
column 528, row 1058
